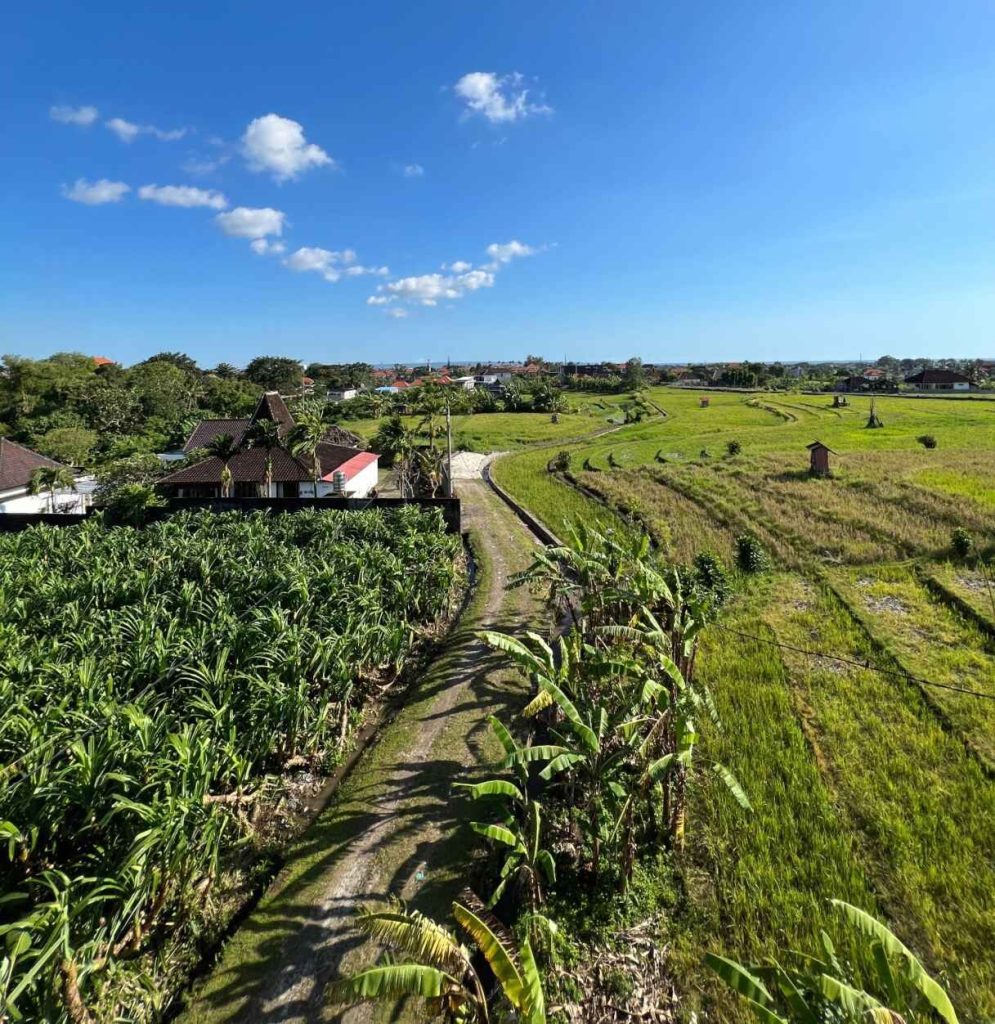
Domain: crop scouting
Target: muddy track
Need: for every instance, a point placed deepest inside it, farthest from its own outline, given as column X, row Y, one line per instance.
column 396, row 827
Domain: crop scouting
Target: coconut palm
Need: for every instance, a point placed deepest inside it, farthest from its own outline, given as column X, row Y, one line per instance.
column 307, row 436
column 223, row 447
column 440, row 969
column 50, row 479
column 266, row 434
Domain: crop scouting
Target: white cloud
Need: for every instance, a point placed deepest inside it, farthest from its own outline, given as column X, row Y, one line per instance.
column 73, row 115
column 128, row 131
column 96, row 193
column 413, row 171
column 277, row 145
column 429, row 289
column 246, row 222
column 498, row 98
column 459, row 280
column 397, row 313
column 330, row 264
column 507, row 251
column 263, row 247
column 183, row 195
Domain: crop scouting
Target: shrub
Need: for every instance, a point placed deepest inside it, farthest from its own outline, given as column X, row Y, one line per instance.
column 560, row 463
column 704, row 454
column 750, row 554
column 734, row 447
column 712, row 575
column 927, row 440
column 961, row 542
column 128, row 503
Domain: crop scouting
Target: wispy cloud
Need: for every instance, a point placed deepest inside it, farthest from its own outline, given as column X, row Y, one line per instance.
column 331, row 265
column 84, row 116
column 183, row 195
column 276, row 145
column 413, row 171
column 497, row 98
column 128, row 131
column 96, row 193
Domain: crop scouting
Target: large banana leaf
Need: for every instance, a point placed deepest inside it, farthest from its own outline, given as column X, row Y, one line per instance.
column 493, row 787
column 392, row 982
column 499, row 834
column 497, row 954
column 416, row 935
column 912, row 970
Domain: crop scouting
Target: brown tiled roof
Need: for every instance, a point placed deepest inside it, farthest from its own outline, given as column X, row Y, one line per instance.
column 250, row 466
column 932, row 376
column 17, row 463
column 272, row 407
column 207, row 430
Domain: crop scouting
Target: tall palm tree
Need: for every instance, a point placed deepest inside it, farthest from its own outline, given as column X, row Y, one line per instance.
column 51, row 478
column 223, row 447
column 307, row 435
column 265, row 434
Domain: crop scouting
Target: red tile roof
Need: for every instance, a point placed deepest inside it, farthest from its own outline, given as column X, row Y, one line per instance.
column 353, row 466
column 104, row 361
column 17, row 463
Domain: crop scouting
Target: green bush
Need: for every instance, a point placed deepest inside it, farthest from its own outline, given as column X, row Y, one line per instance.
column 712, row 575
column 961, row 542
column 927, row 440
column 734, row 447
column 559, row 463
column 750, row 554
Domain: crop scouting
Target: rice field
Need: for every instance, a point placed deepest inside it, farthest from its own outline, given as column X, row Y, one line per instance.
column 854, row 680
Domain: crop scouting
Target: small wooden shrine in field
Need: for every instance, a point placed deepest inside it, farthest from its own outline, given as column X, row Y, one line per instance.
column 819, row 458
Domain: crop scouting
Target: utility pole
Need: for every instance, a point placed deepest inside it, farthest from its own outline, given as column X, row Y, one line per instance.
column 449, row 451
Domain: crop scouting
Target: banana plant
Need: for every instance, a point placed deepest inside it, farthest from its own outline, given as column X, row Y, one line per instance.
column 898, row 991
column 440, row 969
column 527, row 863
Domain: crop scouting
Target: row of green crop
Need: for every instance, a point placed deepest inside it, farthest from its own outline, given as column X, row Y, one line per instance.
column 151, row 680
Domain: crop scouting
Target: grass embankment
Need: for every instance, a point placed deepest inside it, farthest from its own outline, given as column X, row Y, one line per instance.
column 865, row 787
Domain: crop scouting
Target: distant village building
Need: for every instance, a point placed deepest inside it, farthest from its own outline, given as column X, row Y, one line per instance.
column 938, row 380
column 819, row 458
column 342, row 394
column 344, row 469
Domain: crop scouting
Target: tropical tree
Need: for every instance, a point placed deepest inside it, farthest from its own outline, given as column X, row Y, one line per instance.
column 307, row 436
column 898, row 989
column 51, row 479
column 223, row 447
column 440, row 969
column 265, row 434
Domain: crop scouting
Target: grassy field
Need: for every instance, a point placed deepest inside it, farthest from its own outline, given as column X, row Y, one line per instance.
column 870, row 768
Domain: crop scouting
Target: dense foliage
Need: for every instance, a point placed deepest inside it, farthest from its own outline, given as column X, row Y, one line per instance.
column 151, row 680
column 82, row 413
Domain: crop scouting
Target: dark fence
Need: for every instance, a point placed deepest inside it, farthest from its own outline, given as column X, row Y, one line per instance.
column 12, row 522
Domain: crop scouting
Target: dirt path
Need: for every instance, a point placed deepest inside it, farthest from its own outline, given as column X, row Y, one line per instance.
column 394, row 828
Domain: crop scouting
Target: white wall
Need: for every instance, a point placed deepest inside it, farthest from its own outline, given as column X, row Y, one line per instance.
column 21, row 501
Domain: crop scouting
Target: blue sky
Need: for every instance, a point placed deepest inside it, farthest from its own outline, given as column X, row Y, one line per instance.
column 680, row 181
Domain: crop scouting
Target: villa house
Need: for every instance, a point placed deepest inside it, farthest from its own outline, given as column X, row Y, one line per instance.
column 17, row 465
column 938, row 380
column 344, row 469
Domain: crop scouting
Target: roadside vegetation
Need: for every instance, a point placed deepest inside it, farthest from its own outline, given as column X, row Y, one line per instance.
column 170, row 695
